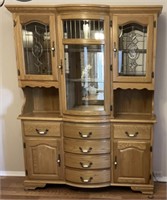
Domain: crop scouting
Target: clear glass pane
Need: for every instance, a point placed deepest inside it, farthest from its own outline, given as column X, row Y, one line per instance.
column 83, row 29
column 84, row 66
column 132, row 50
column 36, row 44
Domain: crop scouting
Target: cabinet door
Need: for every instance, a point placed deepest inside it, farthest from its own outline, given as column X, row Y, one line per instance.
column 43, row 158
column 36, row 46
column 132, row 48
column 85, row 64
column 131, row 162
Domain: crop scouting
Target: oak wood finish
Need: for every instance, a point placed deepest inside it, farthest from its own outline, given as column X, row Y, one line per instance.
column 88, row 146
column 12, row 188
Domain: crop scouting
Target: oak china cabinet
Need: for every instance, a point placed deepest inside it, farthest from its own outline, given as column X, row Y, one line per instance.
column 87, row 73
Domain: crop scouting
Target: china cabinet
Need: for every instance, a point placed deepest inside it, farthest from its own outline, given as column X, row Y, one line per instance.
column 87, row 73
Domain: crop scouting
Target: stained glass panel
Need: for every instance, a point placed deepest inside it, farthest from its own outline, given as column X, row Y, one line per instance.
column 37, row 51
column 132, row 50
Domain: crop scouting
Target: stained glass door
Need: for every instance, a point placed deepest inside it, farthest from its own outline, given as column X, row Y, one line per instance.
column 132, row 48
column 38, row 48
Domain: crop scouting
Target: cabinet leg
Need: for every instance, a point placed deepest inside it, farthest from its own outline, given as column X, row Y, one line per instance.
column 147, row 190
column 32, row 185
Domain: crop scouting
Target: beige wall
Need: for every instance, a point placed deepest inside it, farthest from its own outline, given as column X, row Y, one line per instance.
column 11, row 97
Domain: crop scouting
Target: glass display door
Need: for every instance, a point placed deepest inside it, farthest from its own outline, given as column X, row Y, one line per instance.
column 38, row 46
column 132, row 48
column 84, row 52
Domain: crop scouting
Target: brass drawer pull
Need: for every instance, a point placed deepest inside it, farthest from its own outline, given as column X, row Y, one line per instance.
column 85, row 135
column 131, row 134
column 85, row 150
column 86, row 165
column 41, row 132
column 86, row 180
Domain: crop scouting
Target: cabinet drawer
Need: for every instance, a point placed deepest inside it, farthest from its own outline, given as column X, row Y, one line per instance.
column 87, row 161
column 135, row 131
column 87, row 146
column 41, row 128
column 87, row 176
column 87, row 131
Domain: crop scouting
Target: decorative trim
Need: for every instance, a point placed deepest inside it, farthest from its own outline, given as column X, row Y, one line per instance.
column 12, row 173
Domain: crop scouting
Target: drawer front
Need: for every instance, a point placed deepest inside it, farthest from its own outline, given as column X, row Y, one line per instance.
column 87, row 146
column 134, row 131
column 87, row 131
column 87, row 161
column 41, row 128
column 87, row 176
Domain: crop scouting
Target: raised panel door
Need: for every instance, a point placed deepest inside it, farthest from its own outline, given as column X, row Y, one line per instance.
column 131, row 163
column 43, row 158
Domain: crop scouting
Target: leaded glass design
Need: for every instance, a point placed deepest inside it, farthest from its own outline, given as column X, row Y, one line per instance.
column 37, row 51
column 83, row 29
column 132, row 50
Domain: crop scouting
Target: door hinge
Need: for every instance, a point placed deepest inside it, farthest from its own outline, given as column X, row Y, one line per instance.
column 111, row 67
column 151, row 149
column 154, row 24
column 110, row 23
column 18, row 72
column 110, row 107
column 152, row 74
column 24, row 145
column 14, row 23
column 26, row 172
column 150, row 177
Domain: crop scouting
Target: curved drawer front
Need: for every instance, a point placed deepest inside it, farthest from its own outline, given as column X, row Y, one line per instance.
column 41, row 128
column 87, row 146
column 135, row 131
column 87, row 176
column 87, row 161
column 86, row 131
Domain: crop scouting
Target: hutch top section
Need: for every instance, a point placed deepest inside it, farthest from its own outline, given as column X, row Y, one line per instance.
column 156, row 9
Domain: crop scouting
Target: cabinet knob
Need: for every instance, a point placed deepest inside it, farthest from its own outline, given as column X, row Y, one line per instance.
column 115, row 50
column 59, row 160
column 60, row 66
column 115, row 162
column 53, row 49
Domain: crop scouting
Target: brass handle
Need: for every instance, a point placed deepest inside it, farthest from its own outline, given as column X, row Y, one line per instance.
column 131, row 134
column 53, row 49
column 85, row 135
column 86, row 180
column 85, row 150
column 86, row 165
column 41, row 132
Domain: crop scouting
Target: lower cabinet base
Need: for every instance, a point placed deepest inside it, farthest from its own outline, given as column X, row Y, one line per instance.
column 33, row 184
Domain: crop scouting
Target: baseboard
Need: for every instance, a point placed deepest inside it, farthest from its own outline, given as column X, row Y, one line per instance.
column 12, row 173
column 160, row 179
